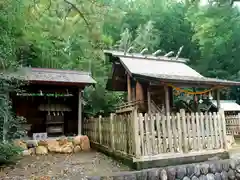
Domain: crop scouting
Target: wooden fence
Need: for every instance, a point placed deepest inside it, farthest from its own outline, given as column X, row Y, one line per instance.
column 233, row 124
column 113, row 133
column 141, row 135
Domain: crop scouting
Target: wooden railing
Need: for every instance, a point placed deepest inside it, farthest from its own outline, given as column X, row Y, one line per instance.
column 141, row 136
column 128, row 106
column 233, row 124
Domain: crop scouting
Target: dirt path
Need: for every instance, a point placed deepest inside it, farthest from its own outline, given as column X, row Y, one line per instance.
column 61, row 166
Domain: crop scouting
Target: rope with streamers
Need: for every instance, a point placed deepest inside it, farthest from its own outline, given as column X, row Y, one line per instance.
column 194, row 93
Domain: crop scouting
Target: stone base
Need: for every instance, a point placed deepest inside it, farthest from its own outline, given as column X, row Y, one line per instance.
column 163, row 162
column 179, row 160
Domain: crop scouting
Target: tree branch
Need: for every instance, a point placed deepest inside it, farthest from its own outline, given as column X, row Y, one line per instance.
column 79, row 12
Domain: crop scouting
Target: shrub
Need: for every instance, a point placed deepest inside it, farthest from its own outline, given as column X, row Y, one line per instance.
column 9, row 153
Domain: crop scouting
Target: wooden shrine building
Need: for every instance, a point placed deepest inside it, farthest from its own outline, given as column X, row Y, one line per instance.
column 149, row 129
column 51, row 101
column 149, row 80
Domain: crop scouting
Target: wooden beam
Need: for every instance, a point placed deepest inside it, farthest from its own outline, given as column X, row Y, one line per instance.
column 129, row 88
column 79, row 112
column 218, row 99
column 167, row 104
column 149, row 99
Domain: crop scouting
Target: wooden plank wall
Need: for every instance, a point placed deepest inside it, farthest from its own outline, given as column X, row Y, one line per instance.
column 233, row 124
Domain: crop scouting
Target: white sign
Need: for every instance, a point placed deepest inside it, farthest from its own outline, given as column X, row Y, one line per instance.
column 39, row 136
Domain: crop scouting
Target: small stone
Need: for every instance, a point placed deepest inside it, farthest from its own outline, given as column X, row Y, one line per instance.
column 21, row 144
column 186, row 178
column 41, row 150
column 62, row 141
column 225, row 165
column 238, row 175
column 77, row 149
column 218, row 167
column 67, row 147
column 32, row 151
column 203, row 177
column 32, row 143
column 224, row 175
column 85, row 143
column 171, row 172
column 181, row 172
column 163, row 174
column 26, row 153
column 141, row 175
column 212, row 168
column 190, row 171
column 43, row 143
column 231, row 174
column 232, row 164
column 194, row 178
column 118, row 177
column 204, row 168
column 197, row 171
column 153, row 174
column 130, row 176
column 238, row 168
column 77, row 140
column 218, row 176
column 210, row 176
column 53, row 146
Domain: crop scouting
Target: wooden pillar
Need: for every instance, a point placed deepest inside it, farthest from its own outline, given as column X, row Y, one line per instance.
column 129, row 88
column 167, row 105
column 218, row 99
column 79, row 112
column 149, row 100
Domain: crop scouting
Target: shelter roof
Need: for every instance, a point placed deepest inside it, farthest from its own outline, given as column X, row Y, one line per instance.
column 228, row 105
column 161, row 68
column 56, row 76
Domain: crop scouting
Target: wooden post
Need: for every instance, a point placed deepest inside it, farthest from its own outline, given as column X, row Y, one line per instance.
column 218, row 99
column 100, row 129
column 167, row 99
column 129, row 88
column 149, row 100
column 79, row 112
column 112, row 130
column 222, row 119
column 136, row 138
column 184, row 130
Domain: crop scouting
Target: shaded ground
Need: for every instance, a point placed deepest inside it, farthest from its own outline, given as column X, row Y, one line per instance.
column 61, row 166
column 235, row 151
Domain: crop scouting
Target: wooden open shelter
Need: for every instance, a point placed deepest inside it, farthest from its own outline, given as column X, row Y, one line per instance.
column 51, row 100
column 149, row 80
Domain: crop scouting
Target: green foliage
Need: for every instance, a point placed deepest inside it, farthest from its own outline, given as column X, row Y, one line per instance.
column 72, row 34
column 10, row 125
column 9, row 153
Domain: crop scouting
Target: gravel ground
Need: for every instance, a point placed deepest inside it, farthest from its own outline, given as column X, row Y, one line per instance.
column 62, row 167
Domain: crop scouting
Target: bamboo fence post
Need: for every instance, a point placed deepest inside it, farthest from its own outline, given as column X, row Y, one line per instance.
column 136, row 134
column 221, row 112
column 112, row 130
column 100, row 129
column 185, row 143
